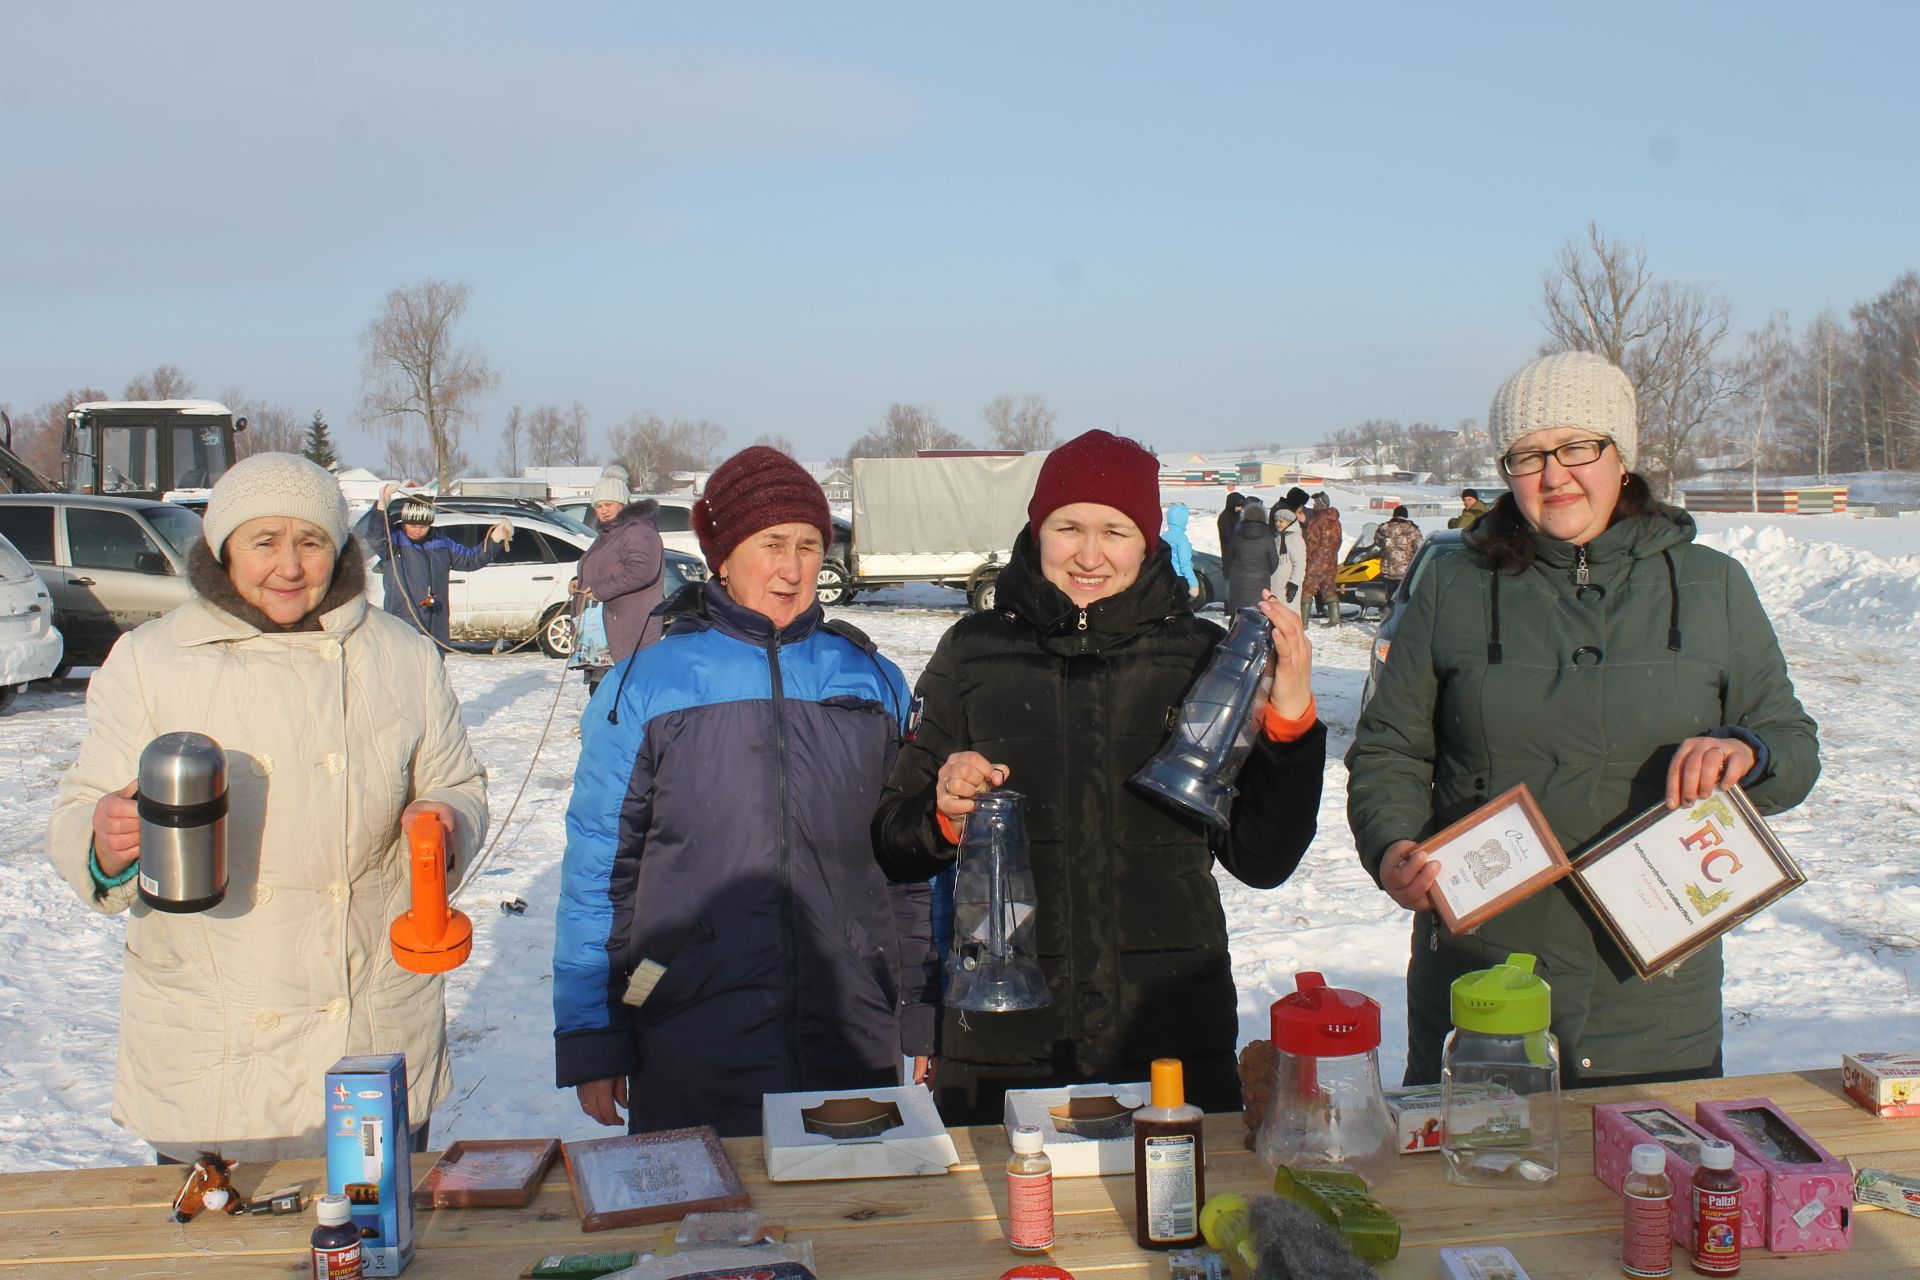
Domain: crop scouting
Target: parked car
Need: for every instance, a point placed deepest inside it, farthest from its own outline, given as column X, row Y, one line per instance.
column 835, row 573
column 1438, row 546
column 522, row 595
column 30, row 645
column 109, row 563
column 1213, row 580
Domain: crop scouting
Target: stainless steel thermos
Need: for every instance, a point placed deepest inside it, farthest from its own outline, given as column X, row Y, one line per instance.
column 183, row 823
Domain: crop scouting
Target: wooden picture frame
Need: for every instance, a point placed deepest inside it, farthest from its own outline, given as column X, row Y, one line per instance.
column 643, row 1178
column 488, row 1173
column 1672, row 880
column 1500, row 853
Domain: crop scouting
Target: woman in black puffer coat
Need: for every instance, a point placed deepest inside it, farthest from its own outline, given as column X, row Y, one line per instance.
column 1255, row 556
column 1061, row 693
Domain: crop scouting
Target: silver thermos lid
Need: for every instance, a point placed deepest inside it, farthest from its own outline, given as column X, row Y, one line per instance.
column 183, row 822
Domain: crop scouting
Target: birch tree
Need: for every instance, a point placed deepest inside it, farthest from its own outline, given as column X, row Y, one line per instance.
column 417, row 379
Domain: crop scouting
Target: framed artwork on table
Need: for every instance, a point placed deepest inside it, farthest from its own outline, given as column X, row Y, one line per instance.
column 1672, row 880
column 651, row 1177
column 1497, row 855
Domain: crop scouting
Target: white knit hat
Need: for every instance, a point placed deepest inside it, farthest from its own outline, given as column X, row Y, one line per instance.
column 1571, row 389
column 274, row 484
column 612, row 486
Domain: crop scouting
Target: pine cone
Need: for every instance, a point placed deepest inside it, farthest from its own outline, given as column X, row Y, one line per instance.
column 1258, row 1062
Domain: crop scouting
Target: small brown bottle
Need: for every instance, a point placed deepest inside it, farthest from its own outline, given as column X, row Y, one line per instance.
column 1169, row 1163
column 1716, row 1211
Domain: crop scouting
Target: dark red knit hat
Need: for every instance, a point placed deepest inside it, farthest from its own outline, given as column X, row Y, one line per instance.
column 1104, row 468
column 756, row 489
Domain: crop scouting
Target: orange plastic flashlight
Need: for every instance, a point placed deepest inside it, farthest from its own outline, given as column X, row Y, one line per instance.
column 433, row 937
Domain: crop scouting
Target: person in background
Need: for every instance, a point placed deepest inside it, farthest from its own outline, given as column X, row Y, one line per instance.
column 1250, row 568
column 1180, row 547
column 1228, row 521
column 417, row 563
column 1583, row 644
column 339, row 728
column 1290, row 547
column 724, row 930
column 1398, row 541
column 623, row 568
column 1061, row 692
column 1471, row 509
column 1323, row 557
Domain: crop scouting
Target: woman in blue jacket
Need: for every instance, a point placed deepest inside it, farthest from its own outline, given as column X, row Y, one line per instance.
column 723, row 929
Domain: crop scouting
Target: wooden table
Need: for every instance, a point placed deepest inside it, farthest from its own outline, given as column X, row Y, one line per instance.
column 112, row 1222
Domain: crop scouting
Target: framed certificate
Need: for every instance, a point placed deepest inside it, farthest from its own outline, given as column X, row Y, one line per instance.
column 1673, row 880
column 651, row 1177
column 1492, row 858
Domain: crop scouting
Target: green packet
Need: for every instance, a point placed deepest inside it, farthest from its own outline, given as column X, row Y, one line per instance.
column 578, row 1266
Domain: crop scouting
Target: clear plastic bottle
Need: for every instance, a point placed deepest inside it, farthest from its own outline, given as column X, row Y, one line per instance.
column 1029, row 1193
column 336, row 1242
column 1500, row 1079
column 1646, row 1231
column 1716, row 1211
column 1327, row 1109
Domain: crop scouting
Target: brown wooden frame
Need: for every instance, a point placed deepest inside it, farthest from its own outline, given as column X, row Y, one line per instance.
column 1519, row 799
column 503, row 1194
column 1792, row 877
column 634, row 1149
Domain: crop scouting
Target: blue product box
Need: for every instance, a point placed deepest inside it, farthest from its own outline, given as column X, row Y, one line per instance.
column 370, row 1155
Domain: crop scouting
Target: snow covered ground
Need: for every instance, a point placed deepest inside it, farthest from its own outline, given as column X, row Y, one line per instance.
column 1833, row 966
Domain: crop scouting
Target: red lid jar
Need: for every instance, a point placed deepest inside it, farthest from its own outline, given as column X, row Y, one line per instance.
column 1319, row 1021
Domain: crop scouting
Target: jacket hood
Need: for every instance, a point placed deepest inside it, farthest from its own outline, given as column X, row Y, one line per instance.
column 1023, row 590
column 209, row 580
column 700, row 605
column 639, row 509
column 1177, row 517
column 1659, row 528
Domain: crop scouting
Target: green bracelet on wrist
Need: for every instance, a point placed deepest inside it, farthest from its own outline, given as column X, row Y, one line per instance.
column 101, row 879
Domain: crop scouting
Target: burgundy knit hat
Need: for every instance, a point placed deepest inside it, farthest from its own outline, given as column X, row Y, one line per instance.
column 756, row 489
column 1104, row 468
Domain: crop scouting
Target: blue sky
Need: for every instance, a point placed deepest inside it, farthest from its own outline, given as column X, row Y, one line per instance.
column 1203, row 224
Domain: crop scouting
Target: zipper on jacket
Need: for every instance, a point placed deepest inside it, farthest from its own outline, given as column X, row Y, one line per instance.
column 1082, row 624
column 783, row 789
column 1580, row 574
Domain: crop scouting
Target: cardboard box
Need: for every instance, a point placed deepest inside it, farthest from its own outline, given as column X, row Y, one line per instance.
column 1421, row 1118
column 1620, row 1126
column 872, row 1133
column 370, row 1155
column 1088, row 1127
column 1878, row 1189
column 1887, row 1084
column 1809, row 1193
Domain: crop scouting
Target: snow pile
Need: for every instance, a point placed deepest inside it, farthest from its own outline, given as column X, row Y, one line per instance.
column 1825, row 582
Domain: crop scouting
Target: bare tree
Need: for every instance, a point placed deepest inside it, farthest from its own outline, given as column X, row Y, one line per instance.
column 416, row 377
column 414, row 463
column 905, row 431
column 271, row 428
column 779, row 442
column 652, row 450
column 1763, row 371
column 574, row 436
column 546, row 436
column 1888, row 373
column 1025, row 424
column 37, row 435
column 511, row 435
column 166, row 382
column 700, row 443
column 1819, row 382
column 1598, row 296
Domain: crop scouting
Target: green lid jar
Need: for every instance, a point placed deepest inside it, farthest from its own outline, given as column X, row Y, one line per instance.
column 1506, row 1000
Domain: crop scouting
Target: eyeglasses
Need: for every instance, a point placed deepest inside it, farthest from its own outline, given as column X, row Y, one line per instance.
column 1574, row 453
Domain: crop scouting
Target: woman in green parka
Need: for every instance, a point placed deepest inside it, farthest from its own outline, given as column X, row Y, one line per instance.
column 1585, row 645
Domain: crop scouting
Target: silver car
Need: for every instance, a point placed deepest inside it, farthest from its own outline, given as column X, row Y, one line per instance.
column 110, row 563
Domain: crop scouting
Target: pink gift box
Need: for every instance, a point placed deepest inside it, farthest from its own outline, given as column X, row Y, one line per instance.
column 1809, row 1196
column 1620, row 1126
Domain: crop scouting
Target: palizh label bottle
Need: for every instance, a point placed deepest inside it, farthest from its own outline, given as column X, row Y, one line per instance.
column 1716, row 1211
column 1029, row 1193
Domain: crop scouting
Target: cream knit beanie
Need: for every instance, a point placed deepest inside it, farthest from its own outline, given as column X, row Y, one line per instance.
column 274, row 484
column 612, row 486
column 1571, row 389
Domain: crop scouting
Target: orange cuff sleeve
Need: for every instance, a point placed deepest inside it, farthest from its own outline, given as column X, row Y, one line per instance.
column 951, row 832
column 1279, row 729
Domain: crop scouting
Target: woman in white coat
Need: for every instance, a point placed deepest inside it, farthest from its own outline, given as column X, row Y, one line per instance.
column 1290, row 540
column 339, row 726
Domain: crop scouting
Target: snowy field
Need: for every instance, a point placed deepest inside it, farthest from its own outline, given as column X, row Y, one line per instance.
column 1834, row 966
